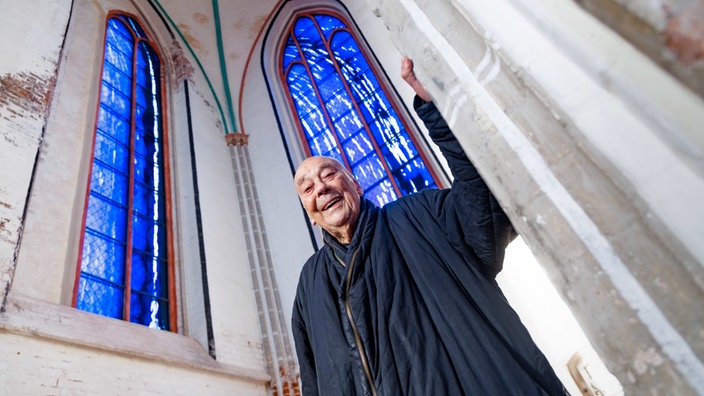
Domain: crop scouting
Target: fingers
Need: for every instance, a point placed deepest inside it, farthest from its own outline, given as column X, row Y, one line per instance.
column 407, row 68
column 409, row 76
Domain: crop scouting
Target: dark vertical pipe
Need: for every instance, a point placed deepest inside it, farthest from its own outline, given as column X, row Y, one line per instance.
column 199, row 226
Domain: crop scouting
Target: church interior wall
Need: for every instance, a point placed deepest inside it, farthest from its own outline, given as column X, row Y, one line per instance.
column 572, row 144
column 611, row 136
column 39, row 284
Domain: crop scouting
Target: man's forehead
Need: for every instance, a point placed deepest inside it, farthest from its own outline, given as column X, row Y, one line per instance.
column 312, row 166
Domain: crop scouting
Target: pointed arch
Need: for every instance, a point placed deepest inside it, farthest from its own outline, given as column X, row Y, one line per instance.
column 343, row 111
column 125, row 265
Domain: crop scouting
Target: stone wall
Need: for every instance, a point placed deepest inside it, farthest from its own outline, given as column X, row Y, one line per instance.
column 592, row 149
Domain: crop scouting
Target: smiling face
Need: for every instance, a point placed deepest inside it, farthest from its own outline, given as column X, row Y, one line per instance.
column 330, row 196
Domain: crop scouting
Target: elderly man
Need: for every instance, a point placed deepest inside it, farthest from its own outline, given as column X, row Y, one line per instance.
column 402, row 299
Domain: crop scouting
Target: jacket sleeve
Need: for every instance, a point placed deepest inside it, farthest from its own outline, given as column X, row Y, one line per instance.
column 304, row 352
column 474, row 219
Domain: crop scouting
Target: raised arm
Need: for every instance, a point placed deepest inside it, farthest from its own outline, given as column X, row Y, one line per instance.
column 473, row 216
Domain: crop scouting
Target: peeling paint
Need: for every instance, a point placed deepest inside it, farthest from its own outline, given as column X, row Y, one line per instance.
column 684, row 34
column 183, row 70
column 24, row 91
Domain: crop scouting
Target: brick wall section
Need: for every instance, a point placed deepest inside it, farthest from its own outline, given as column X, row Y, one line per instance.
column 26, row 84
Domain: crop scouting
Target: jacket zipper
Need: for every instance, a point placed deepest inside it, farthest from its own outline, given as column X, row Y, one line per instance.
column 360, row 347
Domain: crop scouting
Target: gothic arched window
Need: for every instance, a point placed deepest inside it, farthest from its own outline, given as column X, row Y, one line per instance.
column 125, row 266
column 344, row 111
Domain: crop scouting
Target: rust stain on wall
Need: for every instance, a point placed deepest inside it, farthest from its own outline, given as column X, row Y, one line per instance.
column 183, row 70
column 257, row 27
column 191, row 39
column 684, row 33
column 24, row 92
column 201, row 18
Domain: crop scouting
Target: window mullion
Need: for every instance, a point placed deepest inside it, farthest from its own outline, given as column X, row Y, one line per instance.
column 375, row 144
column 324, row 109
column 130, row 194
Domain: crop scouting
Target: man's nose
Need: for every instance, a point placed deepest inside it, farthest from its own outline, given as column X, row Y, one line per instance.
column 320, row 187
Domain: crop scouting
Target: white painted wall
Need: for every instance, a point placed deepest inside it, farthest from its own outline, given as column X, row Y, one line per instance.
column 58, row 347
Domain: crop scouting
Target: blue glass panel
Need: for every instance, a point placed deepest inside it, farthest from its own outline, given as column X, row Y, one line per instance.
column 398, row 151
column 109, row 183
column 369, row 171
column 318, row 62
column 348, row 124
column 139, row 309
column 144, row 170
column 305, row 28
column 106, row 218
column 119, row 103
column 148, row 236
column 146, row 275
column 144, row 100
column 119, row 37
column 347, row 52
column 364, row 87
column 328, row 23
column 149, row 311
column 358, row 147
column 100, row 297
column 143, row 77
column 313, row 123
column 145, row 59
column 120, row 60
column 382, row 131
column 118, row 27
column 301, row 90
column 113, row 125
column 111, row 153
column 117, row 79
column 334, row 153
column 306, row 102
column 144, row 200
column 103, row 258
column 142, row 273
column 413, row 177
column 382, row 193
column 330, row 86
column 322, row 143
column 144, row 141
column 135, row 26
column 291, row 53
column 338, row 105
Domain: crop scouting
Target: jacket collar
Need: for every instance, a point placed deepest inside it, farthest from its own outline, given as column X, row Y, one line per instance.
column 367, row 220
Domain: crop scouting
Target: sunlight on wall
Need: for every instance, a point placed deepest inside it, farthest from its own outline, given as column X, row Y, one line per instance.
column 550, row 321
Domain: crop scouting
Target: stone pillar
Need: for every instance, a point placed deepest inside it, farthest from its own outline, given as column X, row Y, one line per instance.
column 272, row 322
column 594, row 152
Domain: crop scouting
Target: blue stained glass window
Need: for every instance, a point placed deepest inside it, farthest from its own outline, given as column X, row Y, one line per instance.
column 344, row 111
column 124, row 262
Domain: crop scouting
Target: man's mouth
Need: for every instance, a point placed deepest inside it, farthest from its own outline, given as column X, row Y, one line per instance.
column 331, row 203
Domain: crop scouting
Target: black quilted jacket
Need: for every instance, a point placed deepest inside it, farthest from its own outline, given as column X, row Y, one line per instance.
column 410, row 306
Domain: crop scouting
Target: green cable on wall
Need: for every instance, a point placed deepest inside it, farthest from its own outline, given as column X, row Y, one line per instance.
column 223, row 67
column 202, row 69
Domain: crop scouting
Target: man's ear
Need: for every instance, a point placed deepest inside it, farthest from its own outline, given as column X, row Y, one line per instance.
column 312, row 221
column 359, row 187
